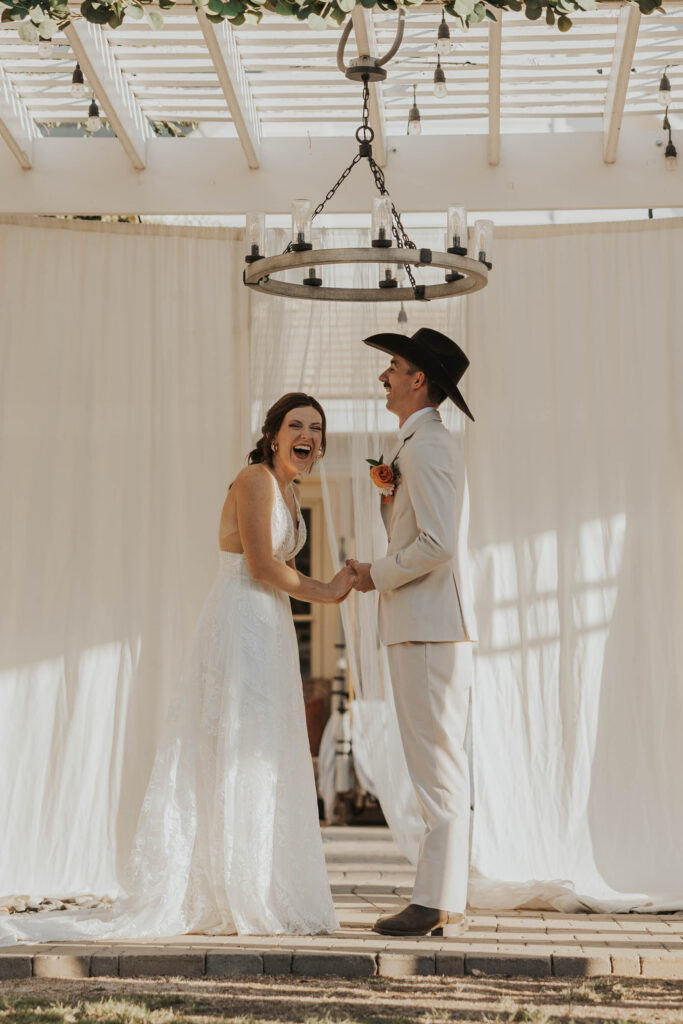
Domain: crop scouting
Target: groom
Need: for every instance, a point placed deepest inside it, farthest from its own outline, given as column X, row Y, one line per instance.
column 425, row 620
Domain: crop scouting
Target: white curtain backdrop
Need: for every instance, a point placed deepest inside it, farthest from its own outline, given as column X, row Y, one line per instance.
column 127, row 399
column 576, row 540
column 576, row 536
column 121, row 425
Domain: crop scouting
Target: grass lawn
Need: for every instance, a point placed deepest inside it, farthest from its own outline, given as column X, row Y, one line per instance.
column 338, row 1001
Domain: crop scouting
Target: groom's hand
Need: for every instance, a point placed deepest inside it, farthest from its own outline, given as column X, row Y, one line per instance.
column 363, row 581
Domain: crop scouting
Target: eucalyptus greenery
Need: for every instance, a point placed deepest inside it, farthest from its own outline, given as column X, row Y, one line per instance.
column 40, row 19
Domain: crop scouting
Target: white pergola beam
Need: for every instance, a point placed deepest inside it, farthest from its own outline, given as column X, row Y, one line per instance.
column 495, row 46
column 189, row 177
column 220, row 42
column 620, row 74
column 364, row 31
column 112, row 92
column 16, row 125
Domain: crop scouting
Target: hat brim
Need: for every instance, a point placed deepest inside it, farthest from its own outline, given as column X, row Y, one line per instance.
column 405, row 347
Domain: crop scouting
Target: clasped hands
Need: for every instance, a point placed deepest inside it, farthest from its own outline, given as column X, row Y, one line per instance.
column 354, row 576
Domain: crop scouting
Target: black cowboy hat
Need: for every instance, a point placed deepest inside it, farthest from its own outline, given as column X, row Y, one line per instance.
column 441, row 359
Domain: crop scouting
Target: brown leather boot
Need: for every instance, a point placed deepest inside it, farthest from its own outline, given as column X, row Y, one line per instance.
column 417, row 920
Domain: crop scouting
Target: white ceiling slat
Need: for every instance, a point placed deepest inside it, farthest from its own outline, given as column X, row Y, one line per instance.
column 220, row 41
column 495, row 53
column 620, row 75
column 366, row 44
column 16, row 126
column 92, row 51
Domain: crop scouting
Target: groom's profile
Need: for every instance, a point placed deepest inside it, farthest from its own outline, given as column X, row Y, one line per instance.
column 425, row 618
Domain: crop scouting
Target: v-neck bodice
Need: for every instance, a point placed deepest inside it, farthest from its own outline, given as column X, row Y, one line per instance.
column 287, row 537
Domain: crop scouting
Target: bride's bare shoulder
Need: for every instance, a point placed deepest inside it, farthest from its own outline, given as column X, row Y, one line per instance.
column 253, row 481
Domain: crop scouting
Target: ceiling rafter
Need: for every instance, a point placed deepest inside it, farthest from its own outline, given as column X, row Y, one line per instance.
column 222, row 47
column 495, row 49
column 16, row 125
column 619, row 77
column 366, row 43
column 103, row 75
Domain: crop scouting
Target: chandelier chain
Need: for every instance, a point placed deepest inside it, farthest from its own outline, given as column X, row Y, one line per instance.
column 365, row 135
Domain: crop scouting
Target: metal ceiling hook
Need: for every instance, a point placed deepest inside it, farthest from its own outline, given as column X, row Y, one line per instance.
column 366, row 67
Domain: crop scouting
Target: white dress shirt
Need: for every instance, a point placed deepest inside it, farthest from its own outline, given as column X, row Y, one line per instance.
column 405, row 429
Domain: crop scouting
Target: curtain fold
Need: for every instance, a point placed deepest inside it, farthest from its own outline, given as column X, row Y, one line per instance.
column 133, row 369
column 121, row 427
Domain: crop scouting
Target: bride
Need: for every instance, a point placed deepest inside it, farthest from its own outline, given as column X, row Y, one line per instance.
column 228, row 837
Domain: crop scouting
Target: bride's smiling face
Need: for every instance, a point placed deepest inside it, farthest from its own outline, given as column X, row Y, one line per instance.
column 299, row 439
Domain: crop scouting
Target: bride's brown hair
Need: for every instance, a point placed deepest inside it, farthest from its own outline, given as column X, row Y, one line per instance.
column 274, row 419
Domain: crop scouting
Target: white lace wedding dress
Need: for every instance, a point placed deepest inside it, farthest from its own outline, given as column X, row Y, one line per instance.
column 228, row 837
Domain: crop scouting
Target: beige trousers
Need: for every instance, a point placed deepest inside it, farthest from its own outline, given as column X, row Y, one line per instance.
column 431, row 685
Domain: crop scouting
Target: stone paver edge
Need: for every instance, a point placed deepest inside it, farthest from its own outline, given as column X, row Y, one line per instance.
column 222, row 962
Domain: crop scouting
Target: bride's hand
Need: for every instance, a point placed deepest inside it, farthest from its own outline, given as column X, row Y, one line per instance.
column 341, row 584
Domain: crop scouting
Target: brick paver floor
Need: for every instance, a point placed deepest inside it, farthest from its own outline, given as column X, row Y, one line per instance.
column 369, row 877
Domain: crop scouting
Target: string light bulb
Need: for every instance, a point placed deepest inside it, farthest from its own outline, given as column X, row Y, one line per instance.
column 77, row 83
column 402, row 320
column 664, row 94
column 93, row 123
column 670, row 156
column 444, row 46
column 440, row 89
column 414, row 119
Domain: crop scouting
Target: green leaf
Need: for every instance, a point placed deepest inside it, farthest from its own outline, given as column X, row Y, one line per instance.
column 166, row 5
column 564, row 23
column 315, row 22
column 232, row 8
column 337, row 15
column 135, row 12
column 215, row 18
column 346, row 5
column 97, row 15
column 549, row 16
column 28, row 32
column 47, row 28
column 239, row 19
column 155, row 19
column 532, row 12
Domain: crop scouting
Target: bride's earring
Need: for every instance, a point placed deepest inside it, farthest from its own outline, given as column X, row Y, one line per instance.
column 320, row 453
column 274, row 445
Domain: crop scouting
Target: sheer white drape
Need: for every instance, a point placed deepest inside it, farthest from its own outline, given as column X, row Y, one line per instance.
column 576, row 534
column 576, row 543
column 125, row 411
column 120, row 393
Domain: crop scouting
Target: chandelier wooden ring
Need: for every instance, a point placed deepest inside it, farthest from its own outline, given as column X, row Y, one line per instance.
column 258, row 274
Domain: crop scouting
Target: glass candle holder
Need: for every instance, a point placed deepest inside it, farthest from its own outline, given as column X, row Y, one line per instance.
column 381, row 222
column 482, row 241
column 255, row 237
column 302, row 217
column 456, row 232
column 386, row 276
column 312, row 279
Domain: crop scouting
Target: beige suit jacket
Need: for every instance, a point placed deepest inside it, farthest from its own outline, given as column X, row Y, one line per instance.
column 424, row 591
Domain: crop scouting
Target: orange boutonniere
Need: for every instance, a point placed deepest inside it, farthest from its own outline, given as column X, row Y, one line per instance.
column 385, row 477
